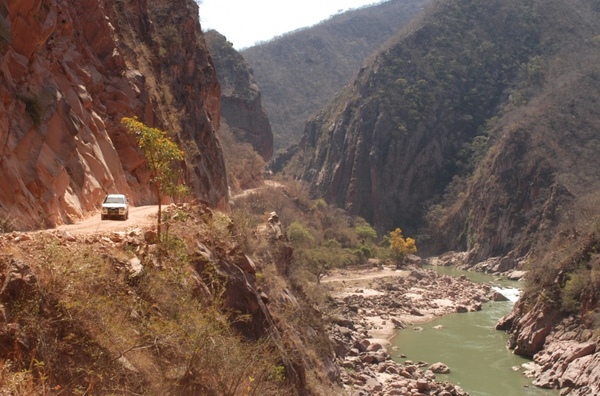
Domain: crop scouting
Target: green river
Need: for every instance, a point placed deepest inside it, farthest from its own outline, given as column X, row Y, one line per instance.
column 468, row 343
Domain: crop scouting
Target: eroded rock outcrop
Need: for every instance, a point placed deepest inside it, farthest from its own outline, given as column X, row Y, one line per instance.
column 569, row 359
column 565, row 351
column 241, row 106
column 69, row 71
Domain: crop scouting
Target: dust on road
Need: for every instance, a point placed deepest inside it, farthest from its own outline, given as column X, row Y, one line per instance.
column 141, row 216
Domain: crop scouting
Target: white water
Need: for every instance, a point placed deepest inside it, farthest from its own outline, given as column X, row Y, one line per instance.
column 511, row 293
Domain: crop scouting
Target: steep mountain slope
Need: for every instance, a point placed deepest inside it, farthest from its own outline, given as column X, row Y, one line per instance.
column 69, row 71
column 241, row 106
column 391, row 141
column 539, row 177
column 300, row 72
column 477, row 130
column 471, row 76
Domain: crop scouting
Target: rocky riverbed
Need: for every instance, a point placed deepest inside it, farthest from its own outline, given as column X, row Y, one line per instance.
column 370, row 306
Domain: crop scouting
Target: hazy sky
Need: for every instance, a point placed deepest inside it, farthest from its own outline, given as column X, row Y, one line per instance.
column 244, row 22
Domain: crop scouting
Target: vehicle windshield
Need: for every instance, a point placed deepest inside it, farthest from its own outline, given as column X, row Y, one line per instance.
column 117, row 200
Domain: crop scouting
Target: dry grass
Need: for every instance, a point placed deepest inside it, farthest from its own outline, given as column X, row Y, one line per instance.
column 91, row 329
column 88, row 327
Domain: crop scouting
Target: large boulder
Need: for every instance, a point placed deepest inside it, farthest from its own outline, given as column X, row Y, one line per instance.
column 19, row 281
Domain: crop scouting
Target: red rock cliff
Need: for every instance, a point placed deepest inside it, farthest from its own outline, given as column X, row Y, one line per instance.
column 69, row 71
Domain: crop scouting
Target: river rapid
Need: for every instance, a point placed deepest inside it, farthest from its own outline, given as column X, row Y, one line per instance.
column 470, row 345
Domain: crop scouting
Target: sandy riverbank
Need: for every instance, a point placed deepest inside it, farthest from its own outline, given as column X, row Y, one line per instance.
column 372, row 304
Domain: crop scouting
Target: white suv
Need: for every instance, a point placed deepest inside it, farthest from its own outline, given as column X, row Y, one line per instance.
column 115, row 205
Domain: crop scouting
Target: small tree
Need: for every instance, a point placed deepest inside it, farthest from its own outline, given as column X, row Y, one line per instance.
column 366, row 232
column 319, row 261
column 399, row 246
column 160, row 153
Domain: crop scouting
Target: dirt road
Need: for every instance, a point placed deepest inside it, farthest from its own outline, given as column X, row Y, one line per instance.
column 362, row 275
column 140, row 216
column 267, row 184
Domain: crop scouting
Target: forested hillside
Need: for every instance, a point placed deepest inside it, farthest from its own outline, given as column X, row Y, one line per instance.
column 300, row 72
column 477, row 130
column 402, row 145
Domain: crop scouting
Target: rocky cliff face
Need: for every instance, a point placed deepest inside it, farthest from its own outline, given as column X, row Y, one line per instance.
column 393, row 140
column 539, row 179
column 70, row 70
column 487, row 105
column 565, row 350
column 241, row 106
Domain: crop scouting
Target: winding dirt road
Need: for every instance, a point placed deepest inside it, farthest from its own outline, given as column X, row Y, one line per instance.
column 141, row 216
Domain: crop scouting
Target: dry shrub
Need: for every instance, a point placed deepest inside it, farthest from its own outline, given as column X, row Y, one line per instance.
column 92, row 329
column 245, row 168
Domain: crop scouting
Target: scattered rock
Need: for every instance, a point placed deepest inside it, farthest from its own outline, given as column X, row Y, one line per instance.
column 246, row 264
column 151, row 237
column 499, row 297
column 421, row 295
column 398, row 324
column 439, row 368
column 516, row 275
column 135, row 268
column 461, row 309
column 127, row 364
column 19, row 281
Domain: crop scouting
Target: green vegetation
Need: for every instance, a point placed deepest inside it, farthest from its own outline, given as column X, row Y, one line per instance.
column 568, row 277
column 323, row 237
column 161, row 153
column 366, row 232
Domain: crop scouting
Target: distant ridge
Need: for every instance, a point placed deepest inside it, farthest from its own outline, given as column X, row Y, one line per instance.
column 299, row 72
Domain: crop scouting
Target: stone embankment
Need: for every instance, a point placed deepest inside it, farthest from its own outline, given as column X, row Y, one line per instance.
column 568, row 358
column 367, row 317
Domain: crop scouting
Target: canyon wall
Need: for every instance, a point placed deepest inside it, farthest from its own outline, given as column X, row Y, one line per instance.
column 241, row 104
column 473, row 130
column 69, row 71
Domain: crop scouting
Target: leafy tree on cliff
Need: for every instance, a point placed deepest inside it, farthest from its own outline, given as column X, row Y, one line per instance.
column 160, row 152
column 399, row 246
